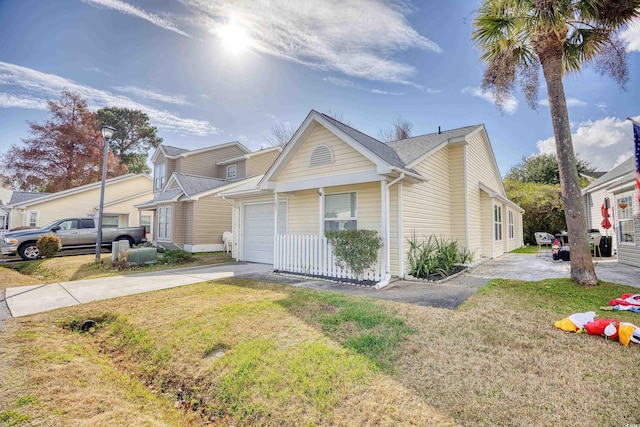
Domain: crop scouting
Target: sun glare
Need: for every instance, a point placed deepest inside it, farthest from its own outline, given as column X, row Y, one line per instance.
column 234, row 37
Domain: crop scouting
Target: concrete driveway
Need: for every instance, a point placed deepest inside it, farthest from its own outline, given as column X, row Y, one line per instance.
column 27, row 300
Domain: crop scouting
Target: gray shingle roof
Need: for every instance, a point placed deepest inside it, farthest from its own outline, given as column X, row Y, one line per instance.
column 24, row 196
column 411, row 149
column 173, row 151
column 381, row 149
column 193, row 184
column 168, row 195
column 624, row 168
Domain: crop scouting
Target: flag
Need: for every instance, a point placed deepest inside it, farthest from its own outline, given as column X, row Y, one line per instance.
column 636, row 139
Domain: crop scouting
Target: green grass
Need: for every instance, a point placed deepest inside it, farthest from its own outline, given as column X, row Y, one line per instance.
column 529, row 249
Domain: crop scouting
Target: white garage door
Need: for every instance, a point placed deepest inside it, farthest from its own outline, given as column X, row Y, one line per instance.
column 258, row 236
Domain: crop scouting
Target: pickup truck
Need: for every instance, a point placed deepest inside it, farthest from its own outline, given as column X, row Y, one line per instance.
column 74, row 233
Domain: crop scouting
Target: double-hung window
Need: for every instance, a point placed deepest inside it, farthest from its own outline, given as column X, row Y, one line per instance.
column 164, row 223
column 511, row 228
column 160, row 172
column 231, row 171
column 626, row 226
column 33, row 218
column 341, row 211
column 497, row 222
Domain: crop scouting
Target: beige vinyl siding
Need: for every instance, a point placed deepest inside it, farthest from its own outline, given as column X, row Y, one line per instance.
column 516, row 241
column 204, row 164
column 369, row 208
column 178, row 222
column 393, row 228
column 346, row 159
column 498, row 245
column 258, row 164
column 86, row 203
column 426, row 206
column 190, row 223
column 212, row 218
column 457, row 192
column 304, row 213
column 480, row 169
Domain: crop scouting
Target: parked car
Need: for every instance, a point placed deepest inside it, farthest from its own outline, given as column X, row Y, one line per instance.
column 74, row 233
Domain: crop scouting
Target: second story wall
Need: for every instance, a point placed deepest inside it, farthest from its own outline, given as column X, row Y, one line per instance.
column 204, row 164
column 260, row 163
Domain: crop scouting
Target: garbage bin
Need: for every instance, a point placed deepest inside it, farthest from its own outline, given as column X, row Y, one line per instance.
column 605, row 246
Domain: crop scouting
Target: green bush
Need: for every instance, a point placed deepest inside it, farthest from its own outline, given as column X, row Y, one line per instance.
column 435, row 256
column 49, row 245
column 176, row 256
column 355, row 249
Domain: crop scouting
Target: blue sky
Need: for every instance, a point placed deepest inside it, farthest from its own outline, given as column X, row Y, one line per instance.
column 209, row 72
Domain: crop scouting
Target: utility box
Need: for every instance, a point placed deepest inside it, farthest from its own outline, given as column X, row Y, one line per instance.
column 142, row 256
column 117, row 247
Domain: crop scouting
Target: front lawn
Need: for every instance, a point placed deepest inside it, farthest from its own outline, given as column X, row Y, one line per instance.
column 240, row 352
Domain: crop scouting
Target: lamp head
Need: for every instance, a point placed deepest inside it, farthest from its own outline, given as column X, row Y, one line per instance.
column 107, row 131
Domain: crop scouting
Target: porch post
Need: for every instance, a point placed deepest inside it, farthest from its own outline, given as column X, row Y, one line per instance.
column 386, row 247
column 276, row 200
column 321, row 213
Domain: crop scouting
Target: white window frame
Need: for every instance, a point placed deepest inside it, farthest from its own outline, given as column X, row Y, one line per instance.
column 324, row 213
column 232, row 171
column 109, row 222
column 497, row 223
column 37, row 218
column 626, row 216
column 160, row 175
column 164, row 223
column 511, row 225
column 145, row 221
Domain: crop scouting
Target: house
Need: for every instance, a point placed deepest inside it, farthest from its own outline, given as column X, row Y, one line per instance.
column 331, row 176
column 120, row 195
column 188, row 215
column 618, row 188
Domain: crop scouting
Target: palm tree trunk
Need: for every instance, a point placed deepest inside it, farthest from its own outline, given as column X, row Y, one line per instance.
column 582, row 270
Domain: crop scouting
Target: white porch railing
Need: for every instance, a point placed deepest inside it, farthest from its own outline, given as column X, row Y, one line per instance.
column 313, row 256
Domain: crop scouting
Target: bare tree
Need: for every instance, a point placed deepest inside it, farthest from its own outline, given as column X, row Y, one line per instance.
column 280, row 134
column 400, row 129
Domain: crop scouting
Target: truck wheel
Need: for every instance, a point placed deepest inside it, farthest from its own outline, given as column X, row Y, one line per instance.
column 29, row 251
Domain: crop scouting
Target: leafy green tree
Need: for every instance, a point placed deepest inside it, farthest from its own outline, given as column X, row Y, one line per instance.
column 542, row 205
column 517, row 37
column 543, row 169
column 133, row 138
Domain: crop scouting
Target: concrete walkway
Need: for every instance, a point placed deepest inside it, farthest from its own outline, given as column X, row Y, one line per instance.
column 27, row 300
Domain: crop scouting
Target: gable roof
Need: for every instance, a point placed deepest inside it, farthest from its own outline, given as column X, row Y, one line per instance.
column 171, row 152
column 624, row 171
column 193, row 184
column 23, row 196
column 26, row 199
column 412, row 149
column 249, row 155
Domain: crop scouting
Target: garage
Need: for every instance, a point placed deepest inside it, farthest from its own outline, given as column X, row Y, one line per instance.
column 258, row 234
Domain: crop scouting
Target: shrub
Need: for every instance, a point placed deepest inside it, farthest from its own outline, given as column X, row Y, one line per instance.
column 49, row 245
column 176, row 256
column 435, row 256
column 355, row 249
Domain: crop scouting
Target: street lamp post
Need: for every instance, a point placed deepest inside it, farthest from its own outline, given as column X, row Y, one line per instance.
column 107, row 134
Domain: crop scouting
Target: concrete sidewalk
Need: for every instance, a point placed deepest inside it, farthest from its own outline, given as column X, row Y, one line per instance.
column 27, row 300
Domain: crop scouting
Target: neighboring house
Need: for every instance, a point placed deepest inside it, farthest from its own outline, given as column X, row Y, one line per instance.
column 188, row 215
column 331, row 176
column 619, row 186
column 120, row 196
column 5, row 198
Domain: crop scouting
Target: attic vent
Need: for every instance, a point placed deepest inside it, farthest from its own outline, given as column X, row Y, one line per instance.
column 320, row 156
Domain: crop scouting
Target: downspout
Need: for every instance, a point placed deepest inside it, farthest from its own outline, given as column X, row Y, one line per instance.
column 466, row 197
column 276, row 203
column 386, row 235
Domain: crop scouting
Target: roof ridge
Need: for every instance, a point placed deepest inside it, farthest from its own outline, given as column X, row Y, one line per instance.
column 351, row 127
column 433, row 133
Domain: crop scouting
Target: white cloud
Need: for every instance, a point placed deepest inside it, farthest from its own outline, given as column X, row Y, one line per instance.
column 349, row 83
column 510, row 104
column 329, row 35
column 27, row 88
column 604, row 143
column 128, row 9
column 571, row 102
column 631, row 36
column 153, row 94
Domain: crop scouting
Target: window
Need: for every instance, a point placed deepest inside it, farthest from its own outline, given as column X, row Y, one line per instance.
column 164, row 222
column 231, row 171
column 497, row 222
column 511, row 228
column 110, row 221
column 321, row 155
column 33, row 218
column 70, row 224
column 159, row 173
column 145, row 221
column 626, row 226
column 341, row 211
column 87, row 223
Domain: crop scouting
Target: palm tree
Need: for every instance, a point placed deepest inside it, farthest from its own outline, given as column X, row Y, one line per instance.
column 516, row 37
